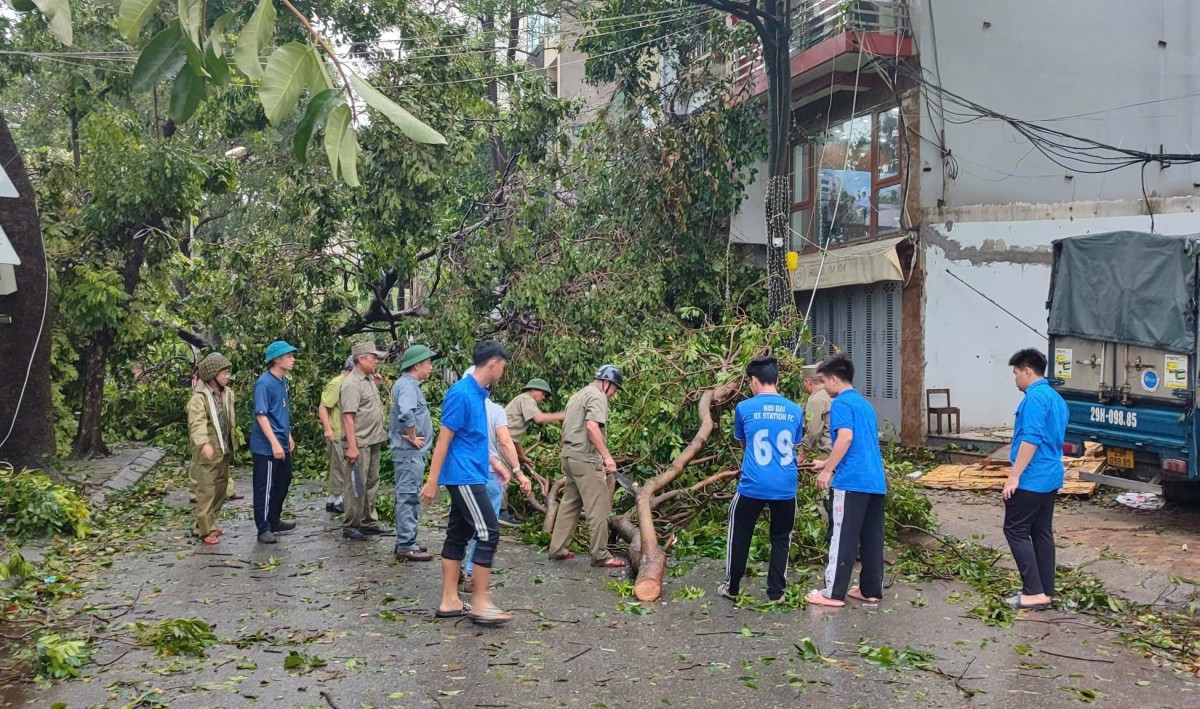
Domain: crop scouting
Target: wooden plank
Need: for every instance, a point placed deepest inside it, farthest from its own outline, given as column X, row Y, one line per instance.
column 988, row 476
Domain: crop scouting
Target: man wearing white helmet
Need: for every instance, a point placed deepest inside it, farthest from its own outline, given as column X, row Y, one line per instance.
column 587, row 464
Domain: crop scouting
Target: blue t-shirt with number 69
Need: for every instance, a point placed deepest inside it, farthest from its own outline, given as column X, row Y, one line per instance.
column 771, row 426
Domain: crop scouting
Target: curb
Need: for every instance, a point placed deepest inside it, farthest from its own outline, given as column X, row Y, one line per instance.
column 128, row 476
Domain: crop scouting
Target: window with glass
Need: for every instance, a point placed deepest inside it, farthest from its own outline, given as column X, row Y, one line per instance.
column 846, row 182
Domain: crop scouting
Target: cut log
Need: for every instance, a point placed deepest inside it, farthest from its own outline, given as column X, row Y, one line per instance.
column 650, row 560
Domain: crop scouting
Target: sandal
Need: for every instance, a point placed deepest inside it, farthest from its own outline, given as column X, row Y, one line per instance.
column 723, row 592
column 457, row 613
column 211, row 539
column 816, row 598
column 563, row 557
column 1014, row 601
column 612, row 562
column 218, row 532
column 490, row 617
column 856, row 593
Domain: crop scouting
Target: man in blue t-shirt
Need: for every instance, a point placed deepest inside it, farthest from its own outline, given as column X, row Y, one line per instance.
column 271, row 442
column 769, row 427
column 854, row 471
column 1032, row 486
column 461, row 461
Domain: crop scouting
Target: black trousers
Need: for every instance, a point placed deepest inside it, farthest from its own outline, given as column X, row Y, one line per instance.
column 1029, row 529
column 471, row 515
column 272, row 478
column 743, row 515
column 857, row 530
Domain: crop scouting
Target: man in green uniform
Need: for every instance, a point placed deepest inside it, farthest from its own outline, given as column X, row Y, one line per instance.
column 522, row 411
column 586, row 465
column 330, row 413
column 210, row 431
column 364, row 435
column 816, row 439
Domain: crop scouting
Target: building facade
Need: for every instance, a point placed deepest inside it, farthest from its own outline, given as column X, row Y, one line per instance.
column 924, row 207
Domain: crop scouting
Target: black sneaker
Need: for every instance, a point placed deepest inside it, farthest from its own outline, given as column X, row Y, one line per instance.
column 506, row 519
column 266, row 538
column 353, row 533
column 377, row 530
column 283, row 525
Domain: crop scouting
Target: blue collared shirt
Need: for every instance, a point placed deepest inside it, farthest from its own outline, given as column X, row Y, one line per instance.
column 464, row 412
column 861, row 469
column 270, row 400
column 1041, row 420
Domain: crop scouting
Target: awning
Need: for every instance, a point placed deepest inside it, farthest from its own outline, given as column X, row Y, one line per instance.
column 850, row 265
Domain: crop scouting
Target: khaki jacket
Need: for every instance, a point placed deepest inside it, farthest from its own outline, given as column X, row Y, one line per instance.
column 202, row 420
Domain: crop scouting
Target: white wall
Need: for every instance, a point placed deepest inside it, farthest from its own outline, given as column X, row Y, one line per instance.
column 967, row 339
column 1043, row 60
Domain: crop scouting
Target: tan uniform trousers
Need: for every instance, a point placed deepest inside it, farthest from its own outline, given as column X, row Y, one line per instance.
column 210, row 484
column 360, row 494
column 338, row 469
column 230, row 491
column 586, row 490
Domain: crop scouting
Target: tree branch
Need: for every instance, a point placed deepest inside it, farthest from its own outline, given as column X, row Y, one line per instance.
column 328, row 51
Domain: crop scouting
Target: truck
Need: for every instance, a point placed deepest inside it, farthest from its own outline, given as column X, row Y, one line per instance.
column 1122, row 353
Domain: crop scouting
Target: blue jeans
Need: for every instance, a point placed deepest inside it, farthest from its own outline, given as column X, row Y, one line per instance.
column 494, row 491
column 410, row 474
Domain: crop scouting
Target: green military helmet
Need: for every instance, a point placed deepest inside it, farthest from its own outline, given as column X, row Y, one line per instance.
column 538, row 384
column 211, row 366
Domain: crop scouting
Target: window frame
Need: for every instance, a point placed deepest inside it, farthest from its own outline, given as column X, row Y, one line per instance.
column 808, row 201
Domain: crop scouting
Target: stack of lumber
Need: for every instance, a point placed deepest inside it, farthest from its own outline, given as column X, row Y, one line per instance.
column 990, row 473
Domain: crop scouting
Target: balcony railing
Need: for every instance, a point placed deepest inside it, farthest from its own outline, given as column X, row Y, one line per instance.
column 815, row 21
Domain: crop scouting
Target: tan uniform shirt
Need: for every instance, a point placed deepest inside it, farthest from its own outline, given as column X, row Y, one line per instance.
column 521, row 411
column 330, row 399
column 816, row 423
column 360, row 396
column 587, row 404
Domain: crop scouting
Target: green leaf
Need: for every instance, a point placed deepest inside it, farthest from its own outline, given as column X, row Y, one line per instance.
column 191, row 19
column 254, row 38
column 215, row 63
column 314, row 117
column 161, row 58
column 320, row 80
column 289, row 71
column 405, row 121
column 293, row 660
column 58, row 18
column 133, row 17
column 348, row 156
column 195, row 57
column 335, row 129
column 216, row 35
column 186, row 95
column 23, row 5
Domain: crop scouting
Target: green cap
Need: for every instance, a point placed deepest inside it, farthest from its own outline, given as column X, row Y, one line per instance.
column 539, row 384
column 414, row 355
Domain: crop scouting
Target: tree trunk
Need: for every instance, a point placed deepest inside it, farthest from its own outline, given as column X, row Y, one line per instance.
column 89, row 440
column 26, row 407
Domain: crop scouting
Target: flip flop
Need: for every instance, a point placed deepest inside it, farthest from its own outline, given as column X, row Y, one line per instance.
column 563, row 557
column 816, row 598
column 218, row 532
column 211, row 539
column 856, row 593
column 457, row 613
column 490, row 617
column 612, row 562
column 1014, row 601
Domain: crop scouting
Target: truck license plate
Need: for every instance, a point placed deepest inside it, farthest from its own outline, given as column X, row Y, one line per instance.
column 1119, row 458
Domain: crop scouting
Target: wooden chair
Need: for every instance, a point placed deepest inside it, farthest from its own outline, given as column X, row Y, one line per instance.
column 952, row 414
